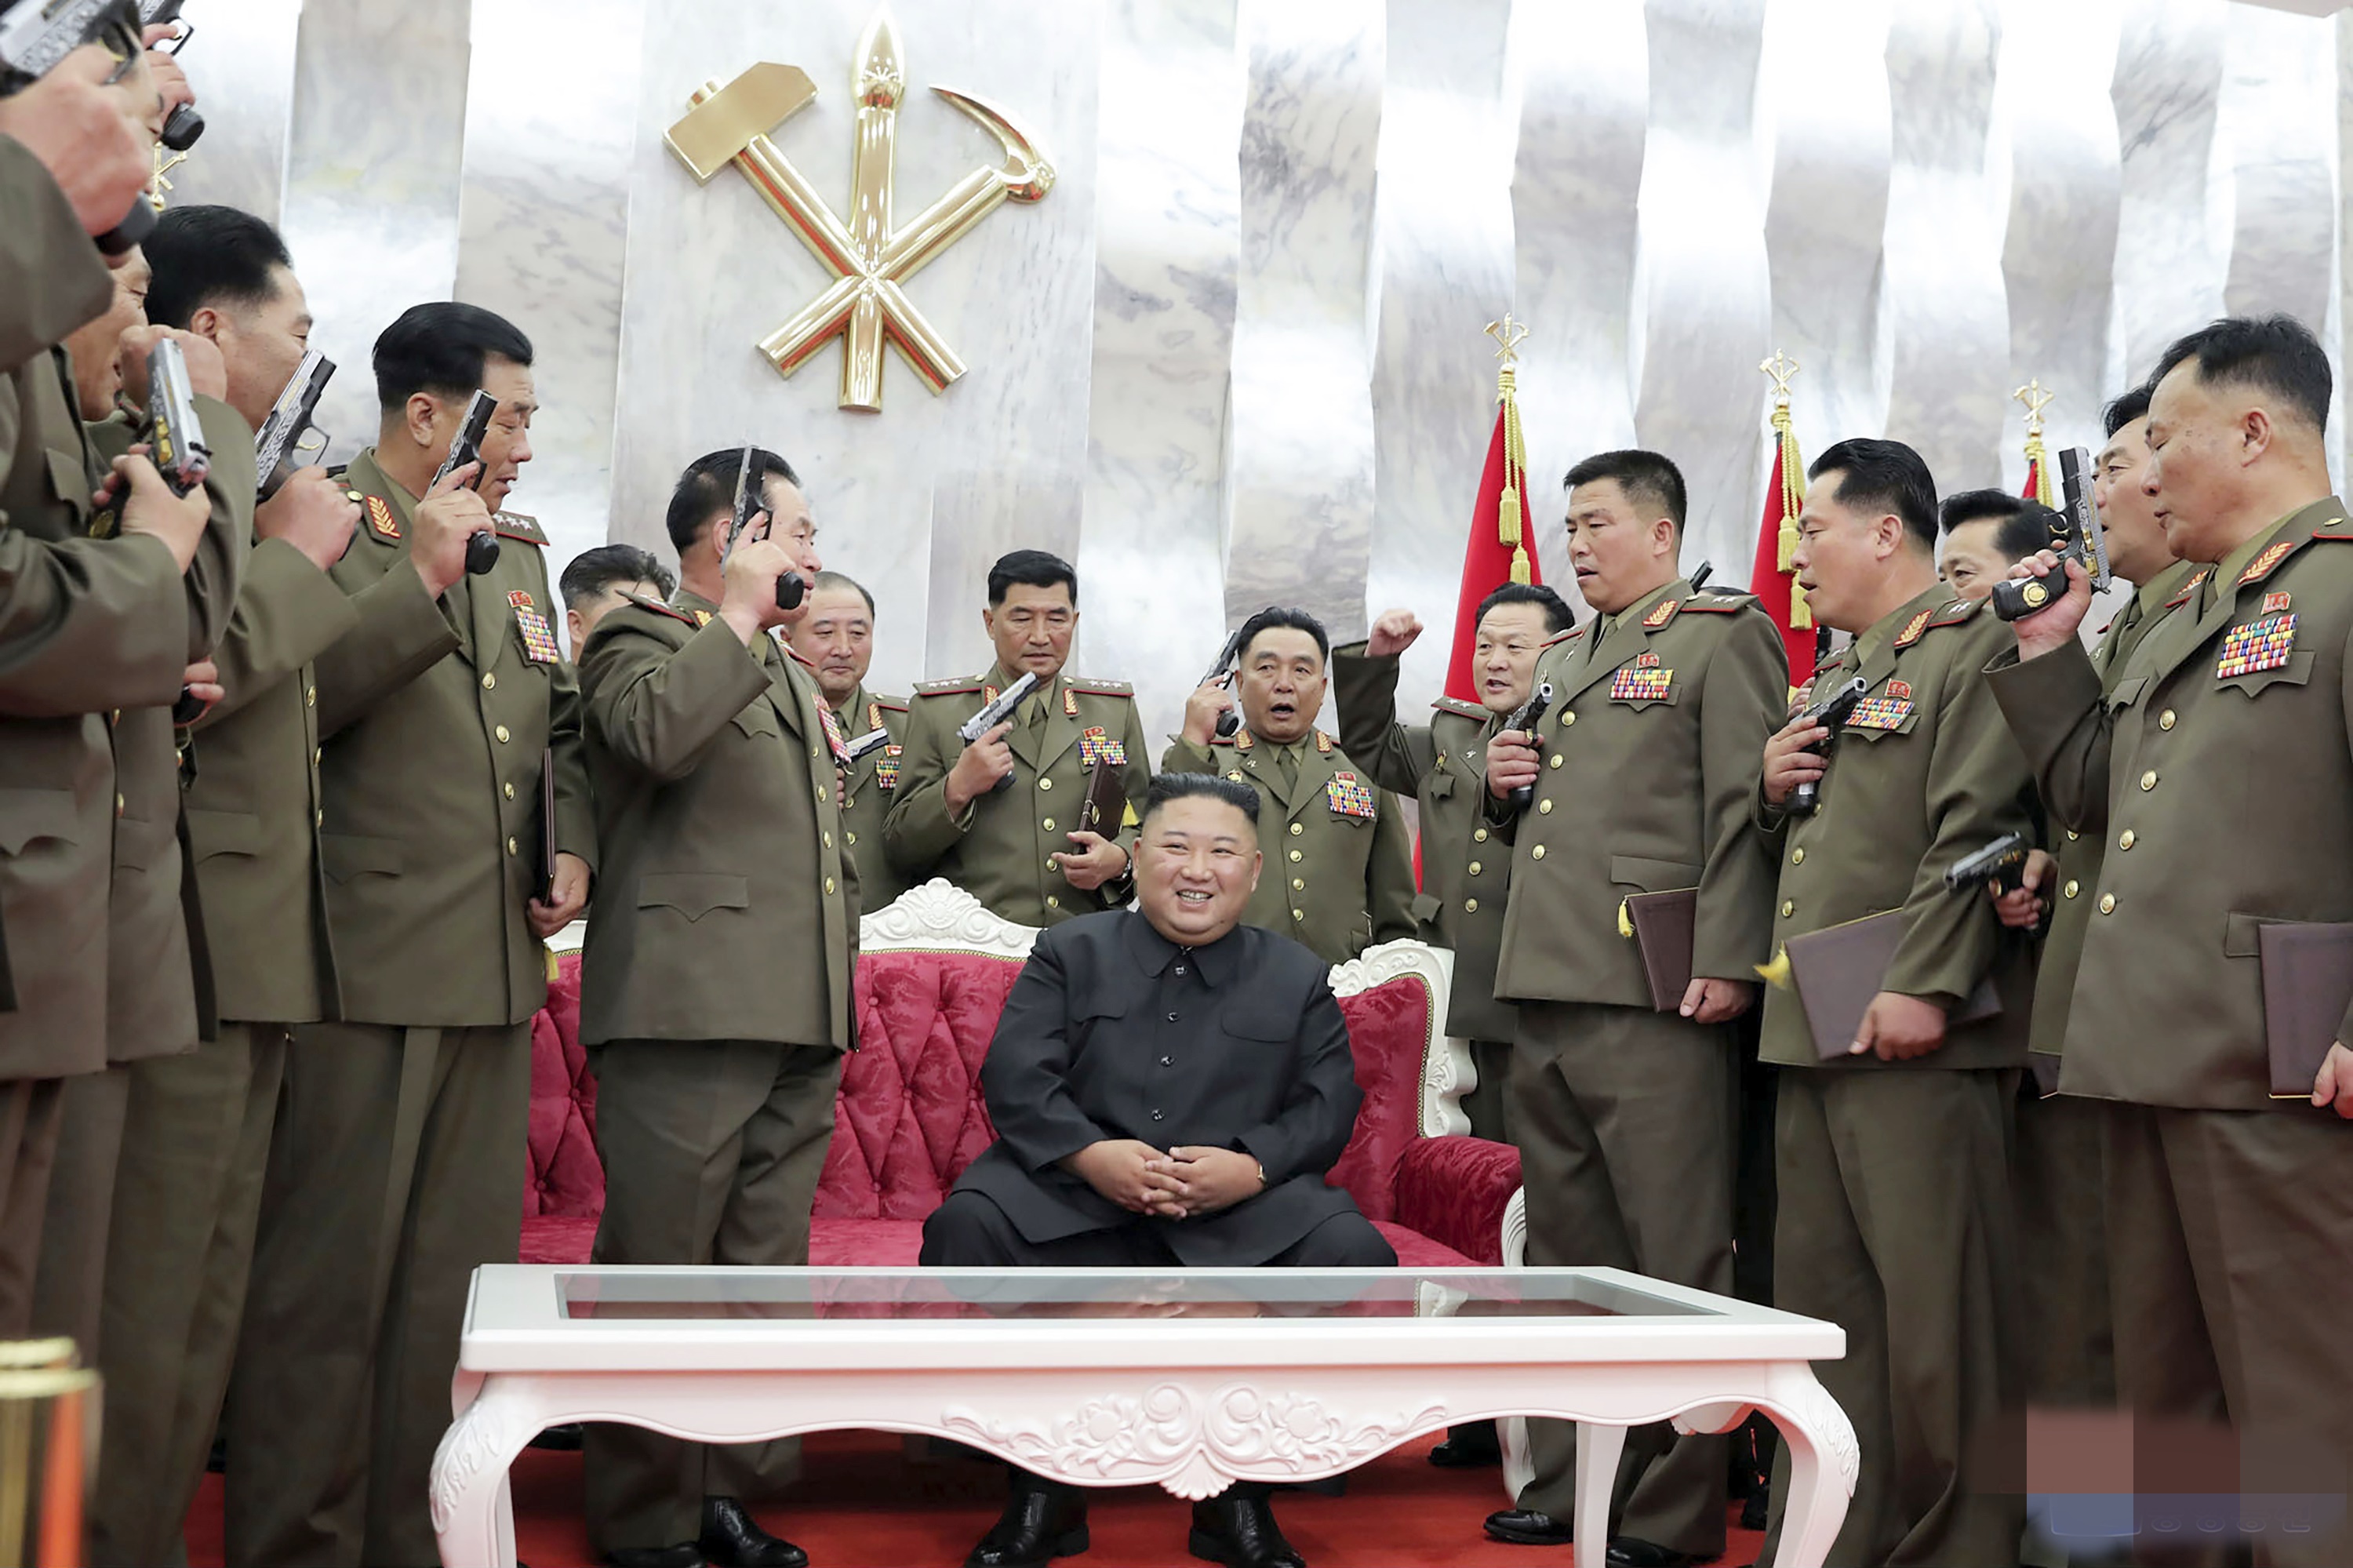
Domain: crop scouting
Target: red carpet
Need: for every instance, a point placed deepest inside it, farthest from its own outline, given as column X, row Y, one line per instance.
column 869, row 1507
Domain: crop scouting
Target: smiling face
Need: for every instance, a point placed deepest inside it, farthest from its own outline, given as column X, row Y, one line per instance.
column 1510, row 638
column 1619, row 550
column 1196, row 864
column 1283, row 684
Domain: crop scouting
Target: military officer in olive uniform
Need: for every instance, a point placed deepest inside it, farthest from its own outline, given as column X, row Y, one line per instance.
column 86, row 626
column 1895, row 1218
column 715, row 987
column 406, row 1119
column 836, row 640
column 196, row 1130
column 1018, row 849
column 1643, row 775
column 1444, row 764
column 2217, row 767
column 1340, row 875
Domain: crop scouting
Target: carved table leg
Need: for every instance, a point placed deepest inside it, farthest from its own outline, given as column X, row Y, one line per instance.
column 1598, row 1448
column 473, row 1514
column 1824, row 1462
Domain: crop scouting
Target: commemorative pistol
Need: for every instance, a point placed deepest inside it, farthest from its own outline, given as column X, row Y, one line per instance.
column 791, row 587
column 288, row 433
column 35, row 35
column 872, row 740
column 1832, row 713
column 465, row 447
column 1231, row 719
column 1996, row 865
column 1524, row 719
column 2084, row 542
column 996, row 713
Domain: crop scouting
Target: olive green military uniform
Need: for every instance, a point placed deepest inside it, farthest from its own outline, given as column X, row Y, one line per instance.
column 1895, row 1218
column 2217, row 766
column 196, row 1136
column 716, row 993
column 2066, row 1340
column 997, row 849
column 1339, row 861
column 1465, row 870
column 400, row 1142
column 86, row 626
column 868, row 787
column 1624, row 1114
column 158, row 981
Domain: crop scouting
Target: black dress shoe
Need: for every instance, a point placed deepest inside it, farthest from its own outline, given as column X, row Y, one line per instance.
column 1040, row 1523
column 1528, row 1527
column 1757, row 1513
column 1468, row 1448
column 733, row 1540
column 685, row 1554
column 1240, row 1532
column 1626, row 1551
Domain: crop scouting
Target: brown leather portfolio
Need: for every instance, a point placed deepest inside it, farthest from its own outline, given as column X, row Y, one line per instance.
column 1838, row 971
column 2307, row 982
column 1106, row 801
column 1662, row 930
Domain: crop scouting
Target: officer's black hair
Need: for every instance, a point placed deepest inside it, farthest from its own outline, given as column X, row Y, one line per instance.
column 2022, row 526
column 1883, row 477
column 592, row 572
column 440, row 348
column 2277, row 354
column 708, row 484
column 2126, row 407
column 1167, row 787
column 836, row 580
column 1031, row 569
column 210, row 256
column 1650, row 479
column 1294, row 617
column 1558, row 617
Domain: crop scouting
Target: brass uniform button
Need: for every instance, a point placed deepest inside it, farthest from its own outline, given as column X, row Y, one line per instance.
column 1536, row 853
column 2126, row 839
column 511, row 846
column 1298, row 884
column 502, row 733
column 2168, row 719
column 319, row 819
column 1470, row 906
column 1045, row 783
column 1299, row 914
column 2073, row 888
column 1567, row 719
column 1479, row 836
column 1048, row 824
column 310, row 696
column 2149, row 780
column 2108, row 903
column 1298, row 855
column 1555, row 760
column 509, row 790
column 1052, row 902
column 1050, row 865
column 1788, row 908
column 1297, row 828
column 829, row 886
column 2073, row 835
column 1474, row 868
column 1544, row 807
column 1797, row 856
column 120, row 805
column 489, row 682
column 822, row 795
column 849, row 838
column 828, row 838
column 314, row 757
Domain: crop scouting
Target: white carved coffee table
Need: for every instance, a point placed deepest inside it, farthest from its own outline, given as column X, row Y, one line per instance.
column 1189, row 1379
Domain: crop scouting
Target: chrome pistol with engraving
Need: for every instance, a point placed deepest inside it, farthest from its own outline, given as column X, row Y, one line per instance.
column 465, row 447
column 991, row 715
column 1997, row 866
column 287, row 438
column 872, row 740
column 2084, row 542
column 34, row 34
column 1231, row 719
column 791, row 587
column 1832, row 713
column 185, row 124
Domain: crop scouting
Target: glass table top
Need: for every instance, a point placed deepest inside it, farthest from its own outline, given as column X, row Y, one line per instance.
column 686, row 1295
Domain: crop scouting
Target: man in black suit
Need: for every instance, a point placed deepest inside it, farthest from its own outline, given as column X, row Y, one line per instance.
column 1169, row 1086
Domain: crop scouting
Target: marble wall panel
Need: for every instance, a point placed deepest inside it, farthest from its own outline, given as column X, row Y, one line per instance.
column 1701, row 314
column 1576, row 91
column 1823, row 109
column 240, row 59
column 1167, row 237
column 2059, row 257
column 2171, row 258
column 376, row 143
column 710, row 270
column 1946, row 316
column 544, row 216
column 1443, row 223
column 1302, row 443
column 2341, row 454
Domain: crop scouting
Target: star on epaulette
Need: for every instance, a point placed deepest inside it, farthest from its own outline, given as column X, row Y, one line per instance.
column 1726, row 603
column 950, row 688
column 1559, row 637
column 1955, row 613
column 1099, row 688
column 895, row 704
column 647, row 601
column 515, row 526
column 1460, row 709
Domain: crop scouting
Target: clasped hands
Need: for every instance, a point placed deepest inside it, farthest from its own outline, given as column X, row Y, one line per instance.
column 1180, row 1183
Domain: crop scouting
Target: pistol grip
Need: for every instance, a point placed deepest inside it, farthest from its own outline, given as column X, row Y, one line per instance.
column 481, row 554
column 136, row 225
column 1228, row 722
column 1004, row 782
column 791, row 588
column 2015, row 598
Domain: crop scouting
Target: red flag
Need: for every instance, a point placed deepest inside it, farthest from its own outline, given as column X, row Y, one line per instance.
column 2033, row 491
column 1771, row 578
column 1498, row 552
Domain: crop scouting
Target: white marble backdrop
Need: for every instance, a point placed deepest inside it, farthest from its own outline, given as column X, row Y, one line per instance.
column 1235, row 357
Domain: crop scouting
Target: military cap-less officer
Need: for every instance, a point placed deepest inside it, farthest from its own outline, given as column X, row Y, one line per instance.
column 1339, row 860
column 2217, row 767
column 1466, row 870
column 836, row 640
column 1624, row 1114
column 438, row 708
column 197, row 1127
column 716, row 984
column 1894, row 1211
column 1018, row 850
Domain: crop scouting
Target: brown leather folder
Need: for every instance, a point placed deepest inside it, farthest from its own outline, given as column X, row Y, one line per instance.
column 1838, row 971
column 1662, row 930
column 2307, row 983
column 1106, row 801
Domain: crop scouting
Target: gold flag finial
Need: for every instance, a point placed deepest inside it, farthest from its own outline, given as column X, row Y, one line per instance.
column 1508, row 335
column 2037, row 398
column 160, row 185
column 1782, row 369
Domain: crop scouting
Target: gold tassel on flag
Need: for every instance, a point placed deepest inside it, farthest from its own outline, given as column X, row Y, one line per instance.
column 2038, row 457
column 1510, row 508
column 1793, row 483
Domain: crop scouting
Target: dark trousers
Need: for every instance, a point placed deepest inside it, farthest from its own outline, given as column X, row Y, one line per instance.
column 70, row 1278
column 2230, row 1237
column 712, row 1150
column 1489, row 1104
column 29, row 1115
column 969, row 1230
column 1625, row 1120
column 2066, row 1337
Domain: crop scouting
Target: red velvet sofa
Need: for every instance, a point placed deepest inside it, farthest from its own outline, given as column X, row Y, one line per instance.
column 932, row 973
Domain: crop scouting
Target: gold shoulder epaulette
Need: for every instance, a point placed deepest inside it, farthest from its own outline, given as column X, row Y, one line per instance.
column 2195, row 581
column 1559, row 637
column 896, row 704
column 515, row 526
column 2267, row 563
column 1952, row 614
column 647, row 601
column 1461, row 709
column 1719, row 603
column 1661, row 613
column 953, row 688
column 1099, row 688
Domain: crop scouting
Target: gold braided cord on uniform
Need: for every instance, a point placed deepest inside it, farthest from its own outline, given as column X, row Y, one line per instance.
column 1510, row 508
column 1793, row 501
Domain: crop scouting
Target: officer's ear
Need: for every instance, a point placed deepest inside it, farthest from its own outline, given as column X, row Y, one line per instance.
column 1258, row 864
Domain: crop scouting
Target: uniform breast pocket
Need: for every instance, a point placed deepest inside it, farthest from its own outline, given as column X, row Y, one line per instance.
column 693, row 893
column 1254, row 1022
column 349, row 856
column 2296, row 672
column 2128, row 691
column 1880, row 726
column 29, row 816
column 1638, row 698
column 758, row 719
column 69, row 483
column 224, row 833
column 1439, row 786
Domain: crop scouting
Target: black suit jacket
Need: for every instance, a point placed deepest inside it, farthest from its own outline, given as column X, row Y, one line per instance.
column 1115, row 1031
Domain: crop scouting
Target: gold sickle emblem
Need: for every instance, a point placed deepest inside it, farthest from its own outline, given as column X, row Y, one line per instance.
column 2034, row 594
column 869, row 256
